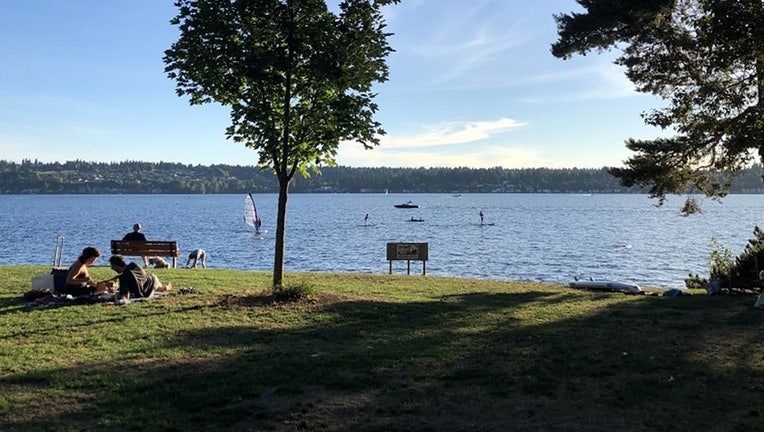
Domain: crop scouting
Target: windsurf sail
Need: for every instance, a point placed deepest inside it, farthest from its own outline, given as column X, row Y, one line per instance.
column 250, row 213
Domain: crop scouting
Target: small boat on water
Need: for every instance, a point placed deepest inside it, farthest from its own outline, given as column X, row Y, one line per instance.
column 407, row 205
column 625, row 287
column 413, row 219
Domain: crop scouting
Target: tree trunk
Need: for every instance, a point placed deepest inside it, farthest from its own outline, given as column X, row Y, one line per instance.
column 760, row 100
column 278, row 256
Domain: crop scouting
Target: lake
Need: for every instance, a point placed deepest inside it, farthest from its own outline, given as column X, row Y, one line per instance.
column 532, row 237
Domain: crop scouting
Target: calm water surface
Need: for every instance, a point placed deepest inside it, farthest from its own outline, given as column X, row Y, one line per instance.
column 545, row 237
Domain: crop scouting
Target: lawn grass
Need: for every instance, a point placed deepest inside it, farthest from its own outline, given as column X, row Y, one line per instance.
column 379, row 353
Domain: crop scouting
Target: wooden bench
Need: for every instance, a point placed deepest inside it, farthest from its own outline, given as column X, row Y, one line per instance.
column 146, row 249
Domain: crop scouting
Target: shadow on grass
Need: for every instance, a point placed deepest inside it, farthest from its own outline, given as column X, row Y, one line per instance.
column 10, row 306
column 100, row 321
column 464, row 362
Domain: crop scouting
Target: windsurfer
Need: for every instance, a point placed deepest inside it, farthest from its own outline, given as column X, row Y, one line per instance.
column 251, row 217
column 481, row 217
column 366, row 219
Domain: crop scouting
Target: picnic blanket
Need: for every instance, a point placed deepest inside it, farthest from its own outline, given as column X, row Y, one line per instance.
column 55, row 300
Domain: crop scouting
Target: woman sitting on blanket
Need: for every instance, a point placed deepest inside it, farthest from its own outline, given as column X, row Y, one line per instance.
column 78, row 280
column 134, row 281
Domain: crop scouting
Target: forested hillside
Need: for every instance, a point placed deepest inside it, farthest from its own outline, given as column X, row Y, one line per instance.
column 80, row 177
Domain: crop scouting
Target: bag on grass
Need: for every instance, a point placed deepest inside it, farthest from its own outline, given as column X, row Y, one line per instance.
column 43, row 282
column 59, row 279
column 58, row 273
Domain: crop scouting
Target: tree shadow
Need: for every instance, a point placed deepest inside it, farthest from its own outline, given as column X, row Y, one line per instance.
column 481, row 361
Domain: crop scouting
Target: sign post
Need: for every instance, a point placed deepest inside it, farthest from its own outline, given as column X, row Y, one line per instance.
column 408, row 252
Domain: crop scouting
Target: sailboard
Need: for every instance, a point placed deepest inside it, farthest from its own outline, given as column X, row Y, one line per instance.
column 250, row 213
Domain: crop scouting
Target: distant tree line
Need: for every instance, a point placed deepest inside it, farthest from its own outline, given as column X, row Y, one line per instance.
column 133, row 177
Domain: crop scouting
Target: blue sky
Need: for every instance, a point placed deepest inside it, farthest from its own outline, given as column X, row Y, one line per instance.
column 472, row 83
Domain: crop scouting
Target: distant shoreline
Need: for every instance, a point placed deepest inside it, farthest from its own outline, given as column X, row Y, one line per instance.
column 79, row 177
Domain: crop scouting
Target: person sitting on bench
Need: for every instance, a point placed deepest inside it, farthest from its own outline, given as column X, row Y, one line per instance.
column 136, row 235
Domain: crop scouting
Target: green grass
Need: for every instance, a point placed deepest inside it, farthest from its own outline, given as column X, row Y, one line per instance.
column 379, row 353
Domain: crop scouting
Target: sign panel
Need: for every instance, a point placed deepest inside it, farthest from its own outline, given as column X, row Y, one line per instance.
column 407, row 251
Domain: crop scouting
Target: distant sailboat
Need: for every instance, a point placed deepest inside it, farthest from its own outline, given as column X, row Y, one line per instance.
column 250, row 213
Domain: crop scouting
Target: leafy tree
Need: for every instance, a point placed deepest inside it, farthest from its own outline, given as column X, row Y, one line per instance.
column 706, row 59
column 297, row 77
column 741, row 272
column 749, row 263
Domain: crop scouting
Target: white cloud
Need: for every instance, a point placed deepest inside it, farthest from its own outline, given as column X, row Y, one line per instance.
column 352, row 154
column 434, row 148
column 480, row 54
column 586, row 79
column 463, row 45
column 452, row 133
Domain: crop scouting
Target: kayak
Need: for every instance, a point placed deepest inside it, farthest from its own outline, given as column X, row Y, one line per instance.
column 607, row 286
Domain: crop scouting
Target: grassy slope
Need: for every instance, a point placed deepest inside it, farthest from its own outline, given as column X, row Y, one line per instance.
column 378, row 352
